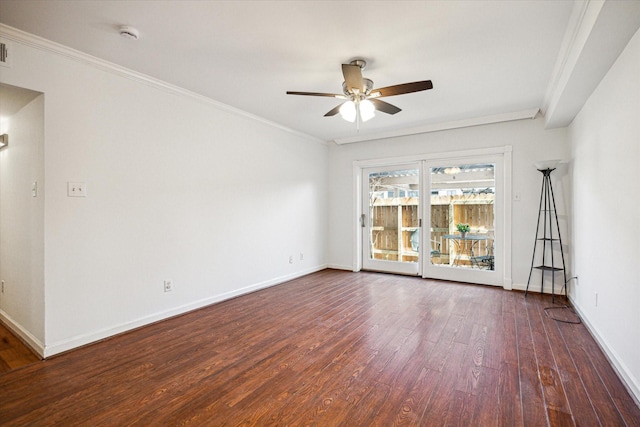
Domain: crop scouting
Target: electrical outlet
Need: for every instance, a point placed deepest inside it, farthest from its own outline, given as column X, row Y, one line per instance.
column 168, row 285
column 596, row 298
column 301, row 256
column 290, row 259
column 2, row 286
column 76, row 189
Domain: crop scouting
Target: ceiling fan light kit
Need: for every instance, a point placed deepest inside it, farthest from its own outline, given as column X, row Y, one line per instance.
column 361, row 98
column 348, row 111
column 364, row 109
column 367, row 110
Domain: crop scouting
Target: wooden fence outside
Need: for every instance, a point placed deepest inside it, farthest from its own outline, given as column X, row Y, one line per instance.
column 394, row 220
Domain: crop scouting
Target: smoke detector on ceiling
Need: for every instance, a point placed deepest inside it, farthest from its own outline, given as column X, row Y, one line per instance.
column 129, row 32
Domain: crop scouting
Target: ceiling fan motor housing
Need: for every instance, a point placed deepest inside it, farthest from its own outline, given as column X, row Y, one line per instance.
column 367, row 86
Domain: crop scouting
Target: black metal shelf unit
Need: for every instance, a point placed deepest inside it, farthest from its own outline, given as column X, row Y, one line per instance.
column 547, row 216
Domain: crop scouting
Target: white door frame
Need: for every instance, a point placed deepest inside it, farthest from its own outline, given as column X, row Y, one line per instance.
column 505, row 151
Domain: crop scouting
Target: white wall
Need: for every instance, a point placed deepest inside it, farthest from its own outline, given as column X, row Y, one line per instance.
column 177, row 188
column 530, row 142
column 605, row 142
column 22, row 223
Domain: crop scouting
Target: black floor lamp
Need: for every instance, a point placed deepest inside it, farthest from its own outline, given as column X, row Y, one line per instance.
column 548, row 232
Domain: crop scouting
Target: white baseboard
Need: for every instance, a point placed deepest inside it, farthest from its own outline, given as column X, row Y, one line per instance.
column 536, row 288
column 632, row 383
column 340, row 267
column 84, row 339
column 34, row 343
column 621, row 369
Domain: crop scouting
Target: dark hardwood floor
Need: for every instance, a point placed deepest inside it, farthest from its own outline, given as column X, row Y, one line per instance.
column 335, row 348
column 13, row 352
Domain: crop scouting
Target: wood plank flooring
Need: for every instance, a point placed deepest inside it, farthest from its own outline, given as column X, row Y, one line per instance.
column 330, row 349
column 13, row 352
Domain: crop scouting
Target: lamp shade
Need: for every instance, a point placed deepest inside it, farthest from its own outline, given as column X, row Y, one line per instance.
column 367, row 110
column 546, row 164
column 348, row 111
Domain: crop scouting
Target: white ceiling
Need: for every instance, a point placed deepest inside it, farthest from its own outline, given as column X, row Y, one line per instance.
column 485, row 58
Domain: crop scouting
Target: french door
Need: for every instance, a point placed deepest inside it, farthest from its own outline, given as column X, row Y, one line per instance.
column 391, row 218
column 438, row 218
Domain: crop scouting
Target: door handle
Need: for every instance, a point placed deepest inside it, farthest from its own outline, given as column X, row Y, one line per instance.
column 362, row 219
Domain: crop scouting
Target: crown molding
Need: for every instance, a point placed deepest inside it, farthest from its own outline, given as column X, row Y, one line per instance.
column 31, row 40
column 435, row 127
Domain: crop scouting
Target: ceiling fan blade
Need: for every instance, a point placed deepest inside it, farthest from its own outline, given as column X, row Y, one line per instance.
column 353, row 77
column 332, row 95
column 385, row 107
column 334, row 111
column 403, row 88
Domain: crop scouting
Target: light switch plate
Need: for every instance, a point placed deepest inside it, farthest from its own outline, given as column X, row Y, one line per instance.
column 76, row 189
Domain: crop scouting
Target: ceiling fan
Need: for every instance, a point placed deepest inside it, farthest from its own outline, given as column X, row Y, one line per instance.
column 362, row 100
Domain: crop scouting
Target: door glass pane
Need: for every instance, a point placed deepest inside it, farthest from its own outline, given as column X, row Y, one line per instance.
column 393, row 215
column 462, row 216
